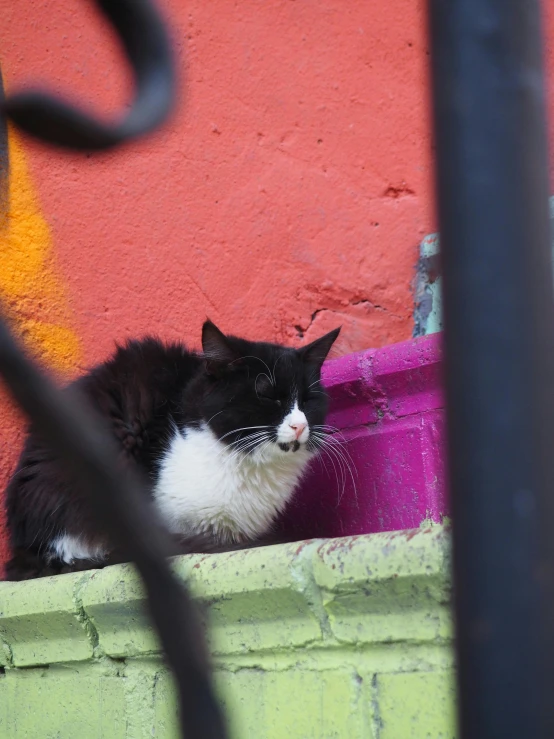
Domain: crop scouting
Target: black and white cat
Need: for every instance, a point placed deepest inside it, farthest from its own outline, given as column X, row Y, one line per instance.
column 222, row 439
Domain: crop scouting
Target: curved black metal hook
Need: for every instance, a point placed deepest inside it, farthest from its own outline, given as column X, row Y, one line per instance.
column 146, row 43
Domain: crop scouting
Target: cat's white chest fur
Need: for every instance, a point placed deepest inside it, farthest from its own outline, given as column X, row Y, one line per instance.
column 205, row 486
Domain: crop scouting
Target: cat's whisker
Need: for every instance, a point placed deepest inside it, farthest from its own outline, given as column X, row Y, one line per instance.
column 331, row 437
column 342, row 448
column 214, row 415
column 341, row 481
column 263, row 448
column 330, row 452
column 334, row 447
column 341, row 444
column 242, row 458
column 326, row 427
column 227, row 452
column 247, row 438
column 275, row 366
column 248, row 444
column 323, row 462
column 333, row 440
column 348, row 465
column 326, row 435
column 239, row 453
column 246, row 447
column 244, row 428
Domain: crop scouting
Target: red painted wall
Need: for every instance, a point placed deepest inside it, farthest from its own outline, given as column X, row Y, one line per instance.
column 288, row 194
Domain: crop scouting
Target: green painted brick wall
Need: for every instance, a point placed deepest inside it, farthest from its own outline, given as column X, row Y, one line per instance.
column 315, row 640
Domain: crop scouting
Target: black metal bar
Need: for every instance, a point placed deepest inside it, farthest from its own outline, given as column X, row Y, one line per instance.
column 143, row 35
column 123, row 509
column 492, row 185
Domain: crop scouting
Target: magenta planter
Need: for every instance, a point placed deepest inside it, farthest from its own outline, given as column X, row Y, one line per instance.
column 388, row 405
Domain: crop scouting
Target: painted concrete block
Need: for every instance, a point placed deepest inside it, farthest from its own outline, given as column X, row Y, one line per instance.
column 114, row 602
column 396, row 589
column 295, row 703
column 41, row 622
column 252, row 600
column 348, row 637
column 256, row 599
column 344, row 563
column 415, row 705
column 61, row 704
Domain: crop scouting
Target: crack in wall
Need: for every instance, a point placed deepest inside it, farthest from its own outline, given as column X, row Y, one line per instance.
column 90, row 629
column 5, row 647
column 302, row 329
column 376, row 720
column 302, row 571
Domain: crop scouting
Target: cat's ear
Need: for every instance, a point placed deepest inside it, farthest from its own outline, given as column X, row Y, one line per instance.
column 316, row 352
column 218, row 350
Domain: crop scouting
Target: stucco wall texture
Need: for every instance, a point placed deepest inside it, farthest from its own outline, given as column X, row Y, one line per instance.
column 287, row 195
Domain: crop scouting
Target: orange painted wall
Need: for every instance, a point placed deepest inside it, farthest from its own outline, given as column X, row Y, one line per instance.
column 287, row 195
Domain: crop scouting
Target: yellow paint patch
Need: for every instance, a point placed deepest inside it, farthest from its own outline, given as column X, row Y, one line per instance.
column 30, row 288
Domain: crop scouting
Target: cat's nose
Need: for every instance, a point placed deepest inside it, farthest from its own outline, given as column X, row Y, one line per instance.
column 298, row 428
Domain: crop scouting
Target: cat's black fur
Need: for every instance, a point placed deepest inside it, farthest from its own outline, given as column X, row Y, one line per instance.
column 144, row 391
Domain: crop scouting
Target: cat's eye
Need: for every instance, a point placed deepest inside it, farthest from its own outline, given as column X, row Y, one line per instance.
column 266, row 394
column 312, row 396
column 269, row 398
column 266, row 391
